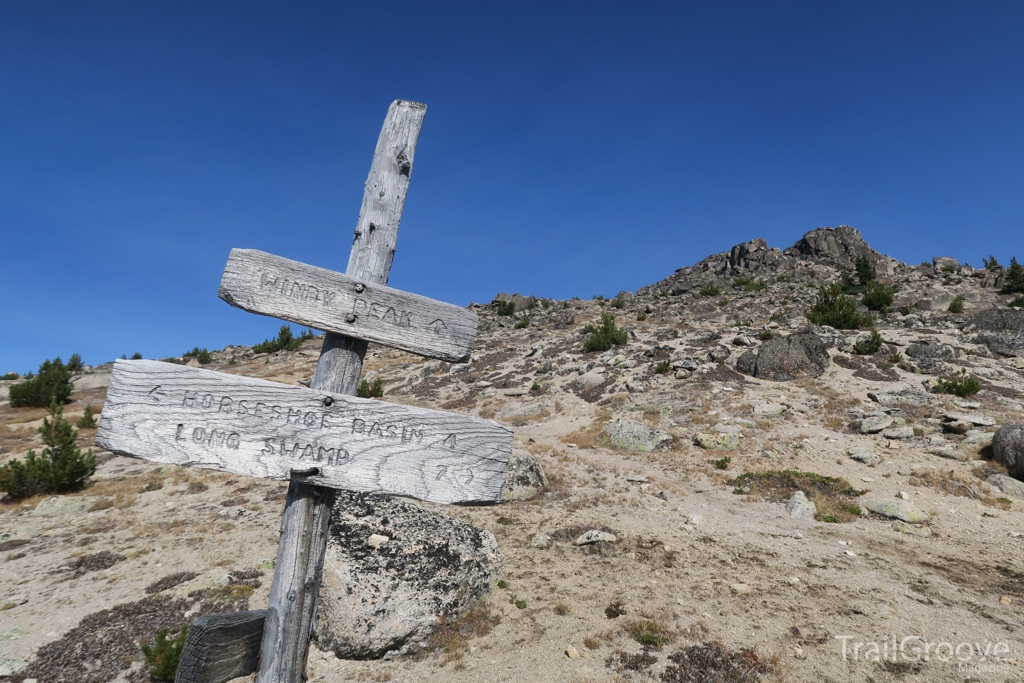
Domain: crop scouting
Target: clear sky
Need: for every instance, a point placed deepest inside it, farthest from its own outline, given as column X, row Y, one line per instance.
column 569, row 149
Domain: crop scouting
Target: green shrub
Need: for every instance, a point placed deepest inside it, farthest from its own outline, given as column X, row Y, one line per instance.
column 864, row 269
column 617, row 302
column 956, row 305
column 835, row 309
column 1014, row 283
column 869, row 346
column 88, row 419
column 536, row 386
column 604, row 337
column 284, row 342
column 990, row 263
column 723, row 463
column 765, row 335
column 367, row 390
column 163, row 654
column 662, row 367
column 962, row 386
column 710, row 289
column 53, row 383
column 741, row 282
column 877, row 297
column 523, row 322
column 1016, row 302
column 10, row 375
column 138, row 356
column 506, row 308
column 641, row 316
column 75, row 363
column 61, row 468
column 755, row 286
column 202, row 355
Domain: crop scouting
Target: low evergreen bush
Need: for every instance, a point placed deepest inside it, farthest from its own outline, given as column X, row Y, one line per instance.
column 10, row 375
column 604, row 337
column 506, row 308
column 285, row 341
column 523, row 322
column 367, row 390
column 88, row 419
column 53, row 383
column 1014, row 283
column 710, row 289
column 1016, row 302
column 163, row 654
column 956, row 305
column 837, row 310
column 877, row 297
column 869, row 346
column 617, row 302
column 200, row 354
column 963, row 386
column 765, row 335
column 62, row 467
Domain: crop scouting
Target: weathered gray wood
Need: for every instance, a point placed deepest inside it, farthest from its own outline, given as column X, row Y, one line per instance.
column 271, row 285
column 220, row 647
column 341, row 361
column 200, row 418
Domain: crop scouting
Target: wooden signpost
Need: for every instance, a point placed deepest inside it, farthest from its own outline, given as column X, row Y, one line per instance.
column 321, row 438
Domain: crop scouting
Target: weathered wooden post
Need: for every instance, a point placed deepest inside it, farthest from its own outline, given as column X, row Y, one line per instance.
column 319, row 438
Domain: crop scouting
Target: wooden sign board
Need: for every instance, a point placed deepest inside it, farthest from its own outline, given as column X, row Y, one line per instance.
column 325, row 300
column 200, row 418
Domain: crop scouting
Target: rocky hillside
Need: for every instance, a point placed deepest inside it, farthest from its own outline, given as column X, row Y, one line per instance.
column 731, row 488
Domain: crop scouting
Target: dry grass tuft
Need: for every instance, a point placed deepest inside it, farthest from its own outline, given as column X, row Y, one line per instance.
column 592, row 641
column 833, row 496
column 451, row 639
column 589, row 436
column 951, row 483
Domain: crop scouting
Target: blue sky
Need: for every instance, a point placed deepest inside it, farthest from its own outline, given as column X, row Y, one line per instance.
column 569, row 149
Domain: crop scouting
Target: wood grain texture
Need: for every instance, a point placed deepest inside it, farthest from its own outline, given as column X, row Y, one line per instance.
column 220, row 647
column 200, row 418
column 326, row 300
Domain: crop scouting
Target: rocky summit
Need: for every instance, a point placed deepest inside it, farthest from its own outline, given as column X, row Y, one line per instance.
column 738, row 464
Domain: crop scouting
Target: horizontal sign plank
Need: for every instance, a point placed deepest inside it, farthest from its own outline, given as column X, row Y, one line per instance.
column 200, row 418
column 334, row 302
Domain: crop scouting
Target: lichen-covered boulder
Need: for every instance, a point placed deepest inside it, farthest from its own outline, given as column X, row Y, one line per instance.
column 629, row 435
column 1008, row 449
column 420, row 568
column 799, row 355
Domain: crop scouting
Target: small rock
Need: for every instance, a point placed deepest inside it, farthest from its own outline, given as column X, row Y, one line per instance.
column 525, row 477
column 727, row 429
column 793, row 580
column 950, row 454
column 873, row 425
column 742, row 340
column 864, row 455
column 1005, row 600
column 572, row 653
column 595, row 536
column 967, row 403
column 589, row 380
column 695, row 519
column 517, row 392
column 540, row 541
column 663, row 495
column 796, row 534
column 896, row 509
column 636, row 478
column 482, row 384
column 377, row 540
column 1008, row 485
column 972, row 418
column 9, row 666
column 799, row 507
column 905, row 432
column 769, row 409
column 849, row 553
column 912, row 529
column 742, row 589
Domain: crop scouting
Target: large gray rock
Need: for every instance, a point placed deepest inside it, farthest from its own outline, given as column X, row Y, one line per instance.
column 834, row 245
column 945, row 264
column 784, row 358
column 1001, row 330
column 525, row 477
column 1008, row 449
column 800, row 507
column 376, row 597
column 522, row 303
column 629, row 435
column 897, row 509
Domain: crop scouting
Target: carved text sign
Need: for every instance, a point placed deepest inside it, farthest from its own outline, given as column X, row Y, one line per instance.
column 334, row 302
column 199, row 418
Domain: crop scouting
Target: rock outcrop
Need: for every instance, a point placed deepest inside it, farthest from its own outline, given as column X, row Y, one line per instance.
column 1008, row 449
